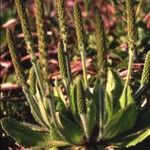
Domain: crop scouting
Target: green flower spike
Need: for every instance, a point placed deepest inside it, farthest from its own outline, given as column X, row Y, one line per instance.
column 146, row 70
column 102, row 63
column 81, row 39
column 101, row 45
column 63, row 33
column 79, row 27
column 131, row 26
column 61, row 60
column 25, row 26
column 41, row 34
column 132, row 32
column 28, row 39
column 61, row 19
column 131, row 43
column 15, row 58
column 42, row 42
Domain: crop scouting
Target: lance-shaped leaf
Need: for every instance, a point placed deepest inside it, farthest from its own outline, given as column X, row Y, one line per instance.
column 43, row 111
column 21, row 76
column 32, row 81
column 98, row 97
column 73, row 102
column 114, row 86
column 126, row 97
column 114, row 89
column 131, row 139
column 35, row 110
column 121, row 122
column 71, row 131
column 60, row 105
column 28, row 137
column 91, row 115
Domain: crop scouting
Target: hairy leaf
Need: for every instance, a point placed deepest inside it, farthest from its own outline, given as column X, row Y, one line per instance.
column 114, row 86
column 41, row 107
column 71, row 131
column 91, row 115
column 73, row 102
column 126, row 97
column 98, row 96
column 28, row 137
column 122, row 121
column 132, row 139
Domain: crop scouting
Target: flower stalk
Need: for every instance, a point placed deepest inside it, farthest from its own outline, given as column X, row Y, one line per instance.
column 63, row 33
column 101, row 46
column 42, row 39
column 81, row 39
column 63, row 65
column 29, row 42
column 15, row 58
column 21, row 77
column 28, row 39
column 102, row 64
column 132, row 36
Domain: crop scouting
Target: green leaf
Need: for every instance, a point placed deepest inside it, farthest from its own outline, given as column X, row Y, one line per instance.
column 58, row 93
column 98, row 96
column 108, row 108
column 91, row 115
column 121, row 122
column 73, row 102
column 35, row 127
column 60, row 106
column 71, row 131
column 114, row 87
column 35, row 109
column 126, row 97
column 138, row 138
column 27, row 137
column 55, row 135
column 41, row 106
column 132, row 139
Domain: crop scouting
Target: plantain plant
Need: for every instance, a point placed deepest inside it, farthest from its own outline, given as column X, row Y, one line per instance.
column 77, row 118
